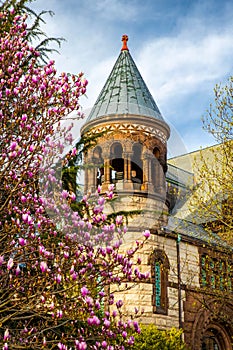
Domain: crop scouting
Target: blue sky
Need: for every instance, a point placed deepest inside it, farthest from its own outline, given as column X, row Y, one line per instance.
column 182, row 49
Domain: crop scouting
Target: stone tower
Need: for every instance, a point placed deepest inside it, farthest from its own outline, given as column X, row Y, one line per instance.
column 131, row 152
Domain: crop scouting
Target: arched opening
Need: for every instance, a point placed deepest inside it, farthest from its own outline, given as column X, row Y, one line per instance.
column 137, row 165
column 156, row 152
column 215, row 338
column 157, row 173
column 99, row 165
column 116, row 163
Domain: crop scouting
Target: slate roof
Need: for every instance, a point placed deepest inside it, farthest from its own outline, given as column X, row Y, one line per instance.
column 194, row 231
column 125, row 92
column 178, row 176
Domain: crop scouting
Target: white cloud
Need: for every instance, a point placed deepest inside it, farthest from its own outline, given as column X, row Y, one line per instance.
column 109, row 9
column 177, row 65
column 182, row 58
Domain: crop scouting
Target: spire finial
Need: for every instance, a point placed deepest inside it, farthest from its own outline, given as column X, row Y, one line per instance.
column 124, row 41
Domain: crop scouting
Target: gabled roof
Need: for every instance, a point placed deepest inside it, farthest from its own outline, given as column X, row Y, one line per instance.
column 125, row 91
column 196, row 232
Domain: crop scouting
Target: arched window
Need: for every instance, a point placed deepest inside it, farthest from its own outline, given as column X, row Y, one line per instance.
column 136, row 164
column 156, row 152
column 159, row 278
column 157, row 172
column 116, row 163
column 98, row 162
column 215, row 339
column 158, row 270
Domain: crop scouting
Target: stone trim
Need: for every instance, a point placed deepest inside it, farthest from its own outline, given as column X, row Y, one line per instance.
column 129, row 128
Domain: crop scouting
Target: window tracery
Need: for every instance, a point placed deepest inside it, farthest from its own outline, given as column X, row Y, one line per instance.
column 216, row 272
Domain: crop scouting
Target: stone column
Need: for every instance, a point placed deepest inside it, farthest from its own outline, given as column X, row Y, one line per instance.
column 91, row 175
column 85, row 176
column 107, row 171
column 88, row 173
column 129, row 166
column 128, row 184
column 162, row 180
column 147, row 178
column 157, row 168
column 106, row 181
column 125, row 167
column 106, row 156
column 94, row 177
column 127, row 156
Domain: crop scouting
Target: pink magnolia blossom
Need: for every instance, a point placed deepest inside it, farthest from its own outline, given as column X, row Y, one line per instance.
column 119, row 219
column 13, row 145
column 72, row 196
column 22, row 241
column 58, row 278
column 119, row 304
column 146, row 233
column 25, row 217
column 6, row 335
column 59, row 313
column 17, row 270
column 104, row 344
column 43, row 266
column 93, row 321
column 84, row 291
column 10, row 263
column 80, row 345
column 65, row 253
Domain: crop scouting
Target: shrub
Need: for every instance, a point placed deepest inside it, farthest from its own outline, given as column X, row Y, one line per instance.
column 154, row 339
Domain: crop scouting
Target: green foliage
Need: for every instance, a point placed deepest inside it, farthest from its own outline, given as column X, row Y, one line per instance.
column 211, row 203
column 154, row 339
column 218, row 120
column 73, row 164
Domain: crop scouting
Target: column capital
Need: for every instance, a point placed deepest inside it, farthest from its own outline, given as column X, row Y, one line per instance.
column 126, row 154
column 147, row 154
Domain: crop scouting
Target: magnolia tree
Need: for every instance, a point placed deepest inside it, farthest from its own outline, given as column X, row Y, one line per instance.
column 57, row 266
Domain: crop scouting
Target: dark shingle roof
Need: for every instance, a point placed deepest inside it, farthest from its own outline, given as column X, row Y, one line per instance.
column 196, row 232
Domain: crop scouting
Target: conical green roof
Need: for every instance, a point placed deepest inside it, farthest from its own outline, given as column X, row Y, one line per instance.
column 125, row 92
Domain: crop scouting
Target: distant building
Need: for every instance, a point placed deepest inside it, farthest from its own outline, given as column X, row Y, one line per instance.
column 184, row 260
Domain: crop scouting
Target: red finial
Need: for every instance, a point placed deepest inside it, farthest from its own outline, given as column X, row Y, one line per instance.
column 124, row 40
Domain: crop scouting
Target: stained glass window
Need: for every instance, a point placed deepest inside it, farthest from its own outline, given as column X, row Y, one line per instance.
column 212, row 274
column 159, row 272
column 215, row 273
column 229, row 284
column 221, row 276
column 157, row 283
column 203, row 271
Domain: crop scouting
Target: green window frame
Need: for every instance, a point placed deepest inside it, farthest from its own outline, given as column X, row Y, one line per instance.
column 159, row 279
column 158, row 283
column 215, row 272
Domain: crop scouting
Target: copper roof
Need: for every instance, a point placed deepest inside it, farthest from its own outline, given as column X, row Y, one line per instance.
column 125, row 91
